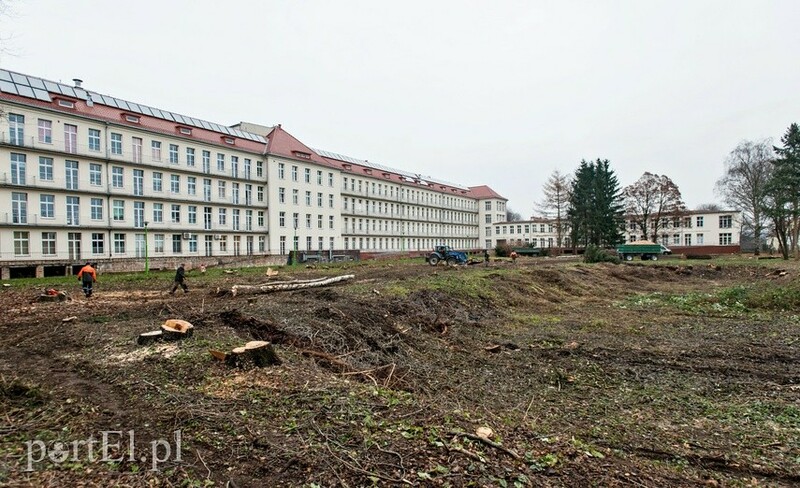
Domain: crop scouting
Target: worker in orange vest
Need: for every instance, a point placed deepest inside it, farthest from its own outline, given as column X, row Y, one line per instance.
column 87, row 276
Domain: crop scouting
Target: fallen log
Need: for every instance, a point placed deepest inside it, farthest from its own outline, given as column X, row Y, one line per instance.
column 253, row 354
column 175, row 330
column 286, row 285
column 149, row 337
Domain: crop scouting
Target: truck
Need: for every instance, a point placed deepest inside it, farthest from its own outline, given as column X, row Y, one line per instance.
column 647, row 250
column 446, row 254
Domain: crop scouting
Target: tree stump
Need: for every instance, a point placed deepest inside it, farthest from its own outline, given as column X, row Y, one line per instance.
column 253, row 354
column 149, row 337
column 175, row 330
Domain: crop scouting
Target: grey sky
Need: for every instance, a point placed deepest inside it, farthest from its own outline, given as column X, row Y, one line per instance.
column 499, row 93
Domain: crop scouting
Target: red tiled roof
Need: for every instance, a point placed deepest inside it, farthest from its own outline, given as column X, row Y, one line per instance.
column 281, row 143
column 483, row 192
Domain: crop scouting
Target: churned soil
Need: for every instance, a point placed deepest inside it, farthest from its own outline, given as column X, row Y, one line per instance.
column 576, row 374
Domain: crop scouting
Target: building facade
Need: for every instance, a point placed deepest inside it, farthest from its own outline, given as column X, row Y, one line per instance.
column 694, row 231
column 86, row 176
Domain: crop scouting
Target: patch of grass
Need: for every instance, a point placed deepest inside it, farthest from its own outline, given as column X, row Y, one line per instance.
column 463, row 285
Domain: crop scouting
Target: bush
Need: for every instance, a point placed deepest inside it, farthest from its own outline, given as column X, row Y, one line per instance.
column 594, row 254
column 502, row 250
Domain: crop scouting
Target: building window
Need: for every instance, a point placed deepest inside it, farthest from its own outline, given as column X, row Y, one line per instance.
column 155, row 150
column 71, row 170
column 16, row 127
column 330, row 221
column 308, row 221
column 176, row 244
column 175, row 183
column 96, row 208
column 158, row 212
column 295, row 196
column 192, row 214
column 206, row 162
column 157, row 181
column 173, row 153
column 19, row 208
column 725, row 222
column 138, row 214
column 136, row 145
column 18, row 169
column 281, row 195
column 176, row 214
column 95, row 174
column 247, row 168
column 687, row 240
column 191, row 185
column 294, row 173
column 281, row 171
column 259, row 169
column 260, row 194
column 118, row 210
column 260, row 218
column 488, row 218
column 308, row 198
column 206, row 189
column 158, row 243
column 47, row 204
column 307, row 175
column 94, row 140
column 116, row 177
column 235, row 193
column 193, row 243
column 699, row 221
column 235, row 218
column 235, row 166
column 21, row 243
column 116, row 143
column 221, row 189
column 70, row 138
column 48, row 243
column 73, row 210
column 138, row 182
column 223, row 217
column 220, row 162
column 119, row 243
column 45, row 131
column 281, row 219
column 45, row 168
column 223, row 244
column 190, row 156
column 725, row 239
column 98, row 243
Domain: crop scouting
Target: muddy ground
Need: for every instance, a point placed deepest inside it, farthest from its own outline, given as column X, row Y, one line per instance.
column 587, row 375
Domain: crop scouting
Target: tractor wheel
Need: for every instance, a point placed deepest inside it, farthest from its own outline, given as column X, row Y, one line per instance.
column 628, row 257
column 433, row 260
column 451, row 261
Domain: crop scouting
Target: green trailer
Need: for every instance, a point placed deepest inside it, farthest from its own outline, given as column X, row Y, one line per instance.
column 645, row 249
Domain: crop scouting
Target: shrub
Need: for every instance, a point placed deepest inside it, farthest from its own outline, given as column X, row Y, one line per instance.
column 594, row 254
column 502, row 250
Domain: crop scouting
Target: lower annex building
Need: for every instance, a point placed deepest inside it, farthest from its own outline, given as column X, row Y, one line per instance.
column 86, row 176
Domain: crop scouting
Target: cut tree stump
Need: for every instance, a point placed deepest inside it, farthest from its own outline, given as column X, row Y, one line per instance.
column 253, row 354
column 175, row 330
column 286, row 285
column 149, row 337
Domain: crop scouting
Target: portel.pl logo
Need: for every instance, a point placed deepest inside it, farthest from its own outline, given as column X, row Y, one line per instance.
column 106, row 448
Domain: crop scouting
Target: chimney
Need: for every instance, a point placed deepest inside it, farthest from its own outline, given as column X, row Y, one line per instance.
column 78, row 82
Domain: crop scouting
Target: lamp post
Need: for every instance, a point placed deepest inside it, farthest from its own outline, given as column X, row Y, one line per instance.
column 294, row 257
column 146, row 254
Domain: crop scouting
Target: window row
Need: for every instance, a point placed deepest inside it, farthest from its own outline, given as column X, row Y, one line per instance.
column 306, row 174
column 308, row 221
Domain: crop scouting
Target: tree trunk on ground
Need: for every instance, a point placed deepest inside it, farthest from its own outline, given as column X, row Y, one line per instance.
column 149, row 337
column 285, row 285
column 175, row 330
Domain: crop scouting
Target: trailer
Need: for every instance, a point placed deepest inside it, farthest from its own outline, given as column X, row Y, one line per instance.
column 645, row 249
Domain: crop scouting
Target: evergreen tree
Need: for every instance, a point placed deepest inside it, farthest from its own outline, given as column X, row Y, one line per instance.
column 595, row 212
column 783, row 192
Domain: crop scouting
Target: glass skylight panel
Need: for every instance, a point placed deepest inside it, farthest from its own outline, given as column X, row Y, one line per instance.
column 146, row 110
column 168, row 116
column 206, row 125
column 51, row 87
column 41, row 95
column 135, row 107
column 20, row 79
column 37, row 83
column 5, row 75
column 67, row 90
column 8, row 87
column 25, row 91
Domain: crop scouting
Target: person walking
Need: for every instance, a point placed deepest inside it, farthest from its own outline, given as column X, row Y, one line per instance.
column 87, row 276
column 486, row 256
column 180, row 277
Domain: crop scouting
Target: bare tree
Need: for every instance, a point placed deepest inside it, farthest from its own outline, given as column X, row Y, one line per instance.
column 649, row 200
column 556, row 202
column 743, row 186
column 512, row 216
column 709, row 207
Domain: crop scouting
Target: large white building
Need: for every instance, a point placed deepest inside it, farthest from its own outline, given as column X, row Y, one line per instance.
column 85, row 176
column 695, row 231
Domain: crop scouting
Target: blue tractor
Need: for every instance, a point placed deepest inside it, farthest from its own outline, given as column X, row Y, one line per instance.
column 446, row 254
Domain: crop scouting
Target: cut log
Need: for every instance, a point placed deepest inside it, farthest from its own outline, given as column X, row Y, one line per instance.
column 287, row 285
column 175, row 330
column 69, row 319
column 149, row 337
column 253, row 354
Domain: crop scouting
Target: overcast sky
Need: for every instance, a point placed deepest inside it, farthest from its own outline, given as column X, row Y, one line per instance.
column 497, row 92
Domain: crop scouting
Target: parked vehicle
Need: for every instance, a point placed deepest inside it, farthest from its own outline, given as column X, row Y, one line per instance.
column 647, row 250
column 446, row 254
